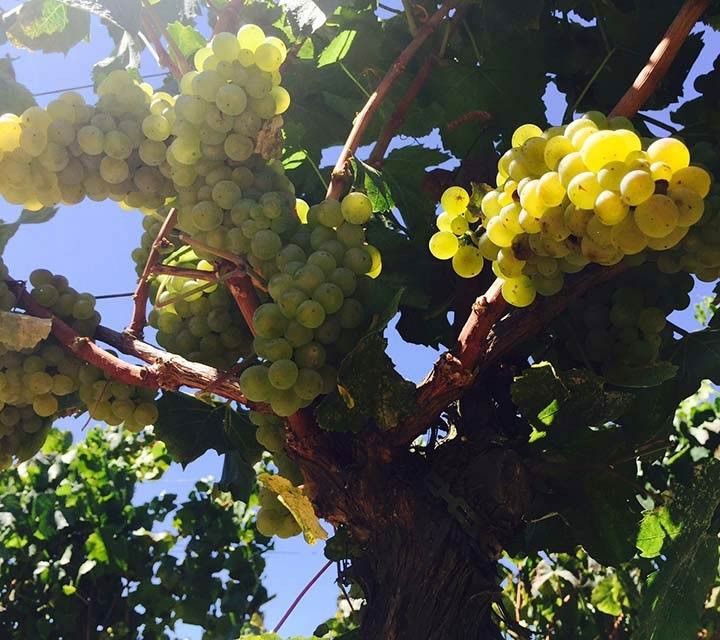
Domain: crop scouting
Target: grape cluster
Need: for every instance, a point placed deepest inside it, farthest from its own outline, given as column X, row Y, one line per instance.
column 7, row 297
column 316, row 313
column 198, row 319
column 569, row 196
column 138, row 146
column 37, row 385
column 623, row 324
column 72, row 150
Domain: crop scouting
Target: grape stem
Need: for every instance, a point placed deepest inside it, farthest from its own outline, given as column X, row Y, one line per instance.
column 180, row 61
column 362, row 120
column 153, row 37
column 396, row 120
column 493, row 329
column 142, row 292
column 180, row 272
column 227, row 19
column 659, row 62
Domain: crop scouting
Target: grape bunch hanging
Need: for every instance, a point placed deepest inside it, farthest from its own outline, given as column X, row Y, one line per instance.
column 590, row 192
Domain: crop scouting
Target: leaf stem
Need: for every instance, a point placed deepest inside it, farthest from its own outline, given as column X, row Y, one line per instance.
column 571, row 110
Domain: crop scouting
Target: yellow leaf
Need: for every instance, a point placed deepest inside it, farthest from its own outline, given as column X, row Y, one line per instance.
column 298, row 504
column 19, row 331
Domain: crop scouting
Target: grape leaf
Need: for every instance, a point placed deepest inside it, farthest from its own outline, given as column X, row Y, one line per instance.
column 187, row 38
column 123, row 13
column 338, row 48
column 14, row 97
column 609, row 596
column 49, row 26
column 566, row 400
column 674, row 598
column 190, row 427
column 298, row 504
column 19, row 331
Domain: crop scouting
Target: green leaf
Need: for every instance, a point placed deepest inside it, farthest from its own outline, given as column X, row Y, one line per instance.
column 49, row 26
column 69, row 589
column 376, row 188
column 187, row 38
column 368, row 379
column 123, row 13
column 644, row 377
column 609, row 596
column 20, row 331
column 14, row 97
column 656, row 527
column 96, row 549
column 338, row 48
column 566, row 400
column 238, row 477
column 674, row 599
column 190, row 427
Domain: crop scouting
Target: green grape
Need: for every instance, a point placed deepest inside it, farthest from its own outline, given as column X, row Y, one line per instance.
column 524, row 133
column 283, row 374
column 310, row 314
column 273, row 349
column 156, row 128
column 117, row 145
column 270, row 54
column 497, row 233
column 467, row 261
column 145, row 413
column 443, row 245
column 238, row 147
column 636, row 187
column 309, row 384
column 113, row 170
column 345, row 279
column 46, row 295
column 330, row 296
column 255, row 383
column 91, row 140
column 508, row 264
column 269, row 321
column 45, row 405
column 310, row 356
column 290, row 300
column 308, row 278
column 266, row 244
column 231, row 99
column 356, row 208
column 359, row 260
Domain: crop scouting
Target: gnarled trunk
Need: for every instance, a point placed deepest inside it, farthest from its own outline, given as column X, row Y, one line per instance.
column 429, row 532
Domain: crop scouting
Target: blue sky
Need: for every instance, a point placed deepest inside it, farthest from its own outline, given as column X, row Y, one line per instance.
column 91, row 244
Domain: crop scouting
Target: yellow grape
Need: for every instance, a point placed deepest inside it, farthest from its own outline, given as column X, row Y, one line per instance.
column 443, row 245
column 577, row 219
column 487, row 248
column 444, row 221
column 695, row 178
column 668, row 241
column 499, row 233
column 524, row 133
column 510, row 216
column 610, row 208
column 690, row 205
column 636, row 187
column 528, row 223
column 490, row 204
column 508, row 264
column 570, row 166
column 657, row 216
column 459, row 225
column 553, row 224
column 550, row 189
column 555, row 150
column 584, row 189
column 611, row 175
column 468, row 261
column 519, row 292
column 670, row 151
column 661, row 171
column 455, row 200
column 627, row 237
